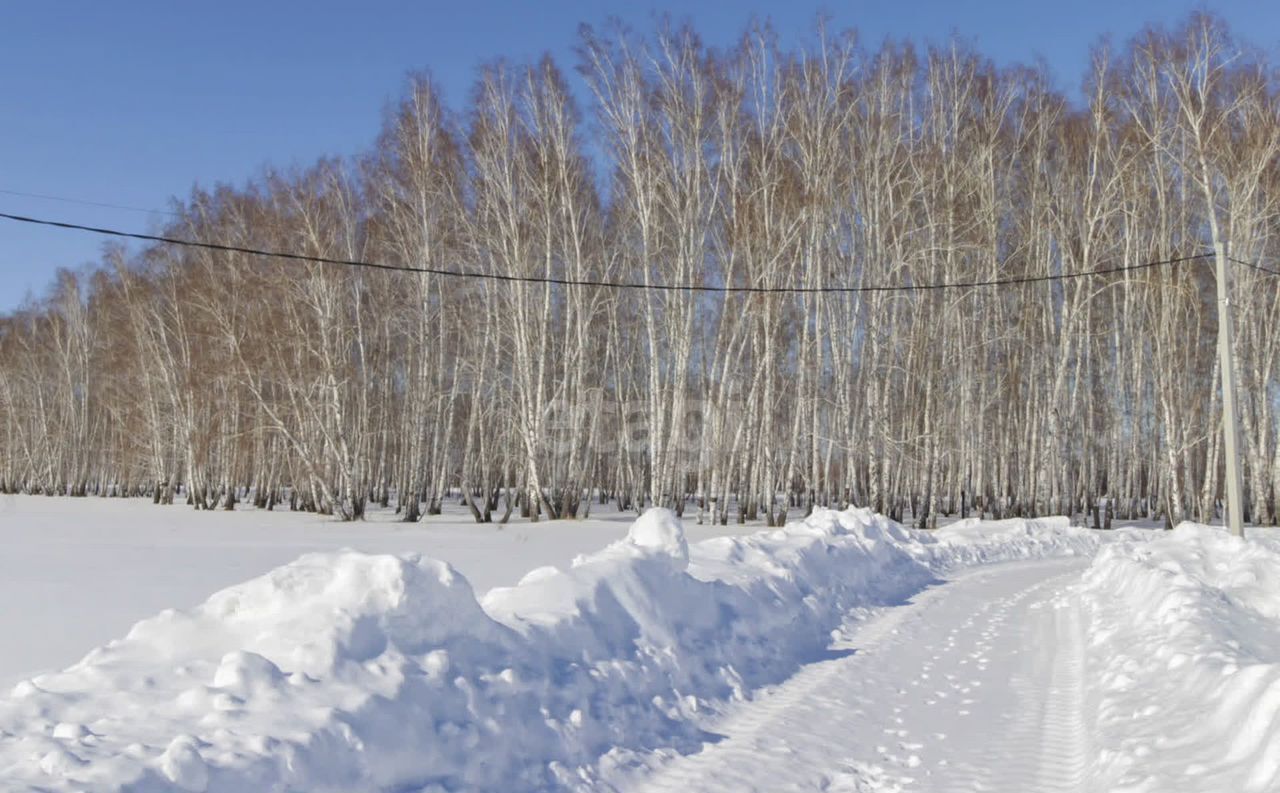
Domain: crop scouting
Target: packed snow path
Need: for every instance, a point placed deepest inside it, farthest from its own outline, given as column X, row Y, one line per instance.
column 973, row 685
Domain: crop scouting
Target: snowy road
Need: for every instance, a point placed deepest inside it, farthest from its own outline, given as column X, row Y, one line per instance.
column 974, row 685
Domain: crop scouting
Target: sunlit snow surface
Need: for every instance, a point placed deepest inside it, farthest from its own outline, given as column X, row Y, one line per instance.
column 643, row 661
column 1184, row 655
column 78, row 572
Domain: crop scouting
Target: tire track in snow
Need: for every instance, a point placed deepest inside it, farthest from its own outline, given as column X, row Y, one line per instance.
column 1066, row 749
column 1044, row 743
column 974, row 685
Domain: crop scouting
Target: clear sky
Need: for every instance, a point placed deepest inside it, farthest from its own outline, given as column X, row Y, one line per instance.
column 133, row 102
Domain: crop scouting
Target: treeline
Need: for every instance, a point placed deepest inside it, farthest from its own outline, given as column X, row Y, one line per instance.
column 225, row 376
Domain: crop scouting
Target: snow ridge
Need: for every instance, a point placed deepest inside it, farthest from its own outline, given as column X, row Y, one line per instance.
column 1185, row 660
column 345, row 671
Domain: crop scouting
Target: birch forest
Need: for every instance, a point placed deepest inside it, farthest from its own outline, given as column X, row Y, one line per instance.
column 222, row 378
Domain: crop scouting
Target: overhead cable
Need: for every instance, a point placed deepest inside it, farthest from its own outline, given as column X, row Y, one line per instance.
column 575, row 282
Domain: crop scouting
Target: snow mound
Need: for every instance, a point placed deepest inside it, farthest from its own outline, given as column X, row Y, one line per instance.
column 1185, row 655
column 660, row 530
column 344, row 671
column 971, row 541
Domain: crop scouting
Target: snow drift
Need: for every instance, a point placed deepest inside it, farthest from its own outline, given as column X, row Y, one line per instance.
column 344, row 671
column 1185, row 661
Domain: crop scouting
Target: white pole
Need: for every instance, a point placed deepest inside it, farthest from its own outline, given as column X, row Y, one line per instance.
column 1230, row 426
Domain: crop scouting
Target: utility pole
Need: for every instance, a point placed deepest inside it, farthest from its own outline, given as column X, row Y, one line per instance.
column 1230, row 426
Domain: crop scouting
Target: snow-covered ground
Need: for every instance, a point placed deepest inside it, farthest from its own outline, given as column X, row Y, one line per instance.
column 842, row 653
column 1184, row 655
column 960, row 689
column 78, row 572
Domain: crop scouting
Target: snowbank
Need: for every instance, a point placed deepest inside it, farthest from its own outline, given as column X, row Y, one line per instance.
column 971, row 541
column 344, row 671
column 1185, row 661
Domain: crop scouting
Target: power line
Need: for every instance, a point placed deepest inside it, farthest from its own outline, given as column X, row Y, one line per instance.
column 83, row 202
column 538, row 279
column 1257, row 267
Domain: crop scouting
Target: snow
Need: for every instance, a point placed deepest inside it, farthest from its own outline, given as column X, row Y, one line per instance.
column 972, row 541
column 345, row 670
column 957, row 689
column 1185, row 650
column 660, row 530
column 843, row 652
column 78, row 572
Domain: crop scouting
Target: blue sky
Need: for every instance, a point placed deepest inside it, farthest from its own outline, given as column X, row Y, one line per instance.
column 131, row 103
